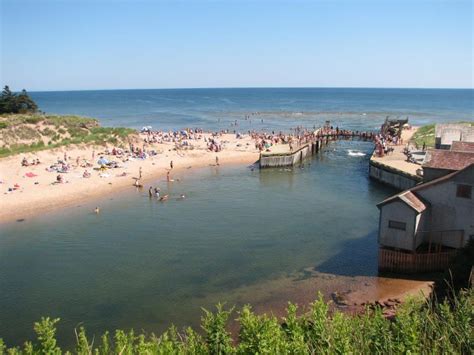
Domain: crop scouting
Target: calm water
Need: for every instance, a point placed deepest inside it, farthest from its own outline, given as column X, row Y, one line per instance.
column 146, row 264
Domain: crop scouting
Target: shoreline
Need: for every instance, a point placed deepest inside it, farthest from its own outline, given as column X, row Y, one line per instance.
column 37, row 194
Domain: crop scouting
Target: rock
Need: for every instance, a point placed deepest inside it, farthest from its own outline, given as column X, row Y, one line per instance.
column 338, row 299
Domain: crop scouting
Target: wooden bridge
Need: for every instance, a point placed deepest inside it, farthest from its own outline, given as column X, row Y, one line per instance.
column 282, row 155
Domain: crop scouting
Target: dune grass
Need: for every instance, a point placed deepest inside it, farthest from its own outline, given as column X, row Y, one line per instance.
column 57, row 131
column 426, row 134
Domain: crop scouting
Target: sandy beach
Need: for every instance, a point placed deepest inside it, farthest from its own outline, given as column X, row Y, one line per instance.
column 37, row 192
column 397, row 159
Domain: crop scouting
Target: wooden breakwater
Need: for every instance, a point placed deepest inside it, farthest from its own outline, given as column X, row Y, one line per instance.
column 282, row 158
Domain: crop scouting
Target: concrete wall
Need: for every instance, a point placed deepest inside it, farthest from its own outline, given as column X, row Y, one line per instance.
column 273, row 161
column 395, row 238
column 449, row 212
column 468, row 135
column 391, row 177
column 445, row 134
column 449, row 135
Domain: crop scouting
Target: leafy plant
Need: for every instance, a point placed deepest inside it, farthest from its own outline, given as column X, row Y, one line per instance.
column 420, row 327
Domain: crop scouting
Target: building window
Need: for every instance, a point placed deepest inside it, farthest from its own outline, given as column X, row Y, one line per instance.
column 464, row 191
column 397, row 225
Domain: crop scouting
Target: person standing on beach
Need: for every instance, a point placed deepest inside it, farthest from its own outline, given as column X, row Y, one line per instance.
column 140, row 173
column 93, row 154
column 171, row 164
column 217, row 160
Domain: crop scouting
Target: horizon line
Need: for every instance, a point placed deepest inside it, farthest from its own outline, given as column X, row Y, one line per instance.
column 257, row 87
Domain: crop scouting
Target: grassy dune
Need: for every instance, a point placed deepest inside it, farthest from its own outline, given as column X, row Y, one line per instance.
column 34, row 132
column 426, row 134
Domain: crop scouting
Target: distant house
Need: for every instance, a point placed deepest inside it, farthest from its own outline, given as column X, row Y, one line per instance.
column 445, row 134
column 420, row 228
column 439, row 162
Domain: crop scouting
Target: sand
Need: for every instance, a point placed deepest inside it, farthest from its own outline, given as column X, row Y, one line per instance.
column 37, row 194
column 397, row 159
column 272, row 296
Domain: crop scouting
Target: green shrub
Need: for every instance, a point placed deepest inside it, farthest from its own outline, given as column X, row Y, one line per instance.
column 4, row 152
column 420, row 327
column 47, row 132
column 33, row 119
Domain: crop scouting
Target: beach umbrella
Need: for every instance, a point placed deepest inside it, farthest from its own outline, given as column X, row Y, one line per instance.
column 102, row 161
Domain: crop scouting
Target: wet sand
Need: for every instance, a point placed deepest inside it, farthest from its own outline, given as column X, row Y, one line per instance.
column 272, row 296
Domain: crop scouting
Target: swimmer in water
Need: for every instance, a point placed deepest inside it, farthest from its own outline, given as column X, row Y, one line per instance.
column 150, row 192
column 164, row 198
column 97, row 210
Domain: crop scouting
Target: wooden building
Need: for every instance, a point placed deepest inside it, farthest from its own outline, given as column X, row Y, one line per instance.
column 421, row 228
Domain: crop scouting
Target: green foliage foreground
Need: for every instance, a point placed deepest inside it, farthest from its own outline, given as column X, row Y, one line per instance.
column 420, row 327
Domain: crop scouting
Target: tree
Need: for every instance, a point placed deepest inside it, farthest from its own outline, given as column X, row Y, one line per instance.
column 25, row 103
column 13, row 103
column 7, row 100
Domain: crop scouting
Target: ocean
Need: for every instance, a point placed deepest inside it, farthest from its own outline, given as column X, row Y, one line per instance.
column 147, row 265
column 280, row 108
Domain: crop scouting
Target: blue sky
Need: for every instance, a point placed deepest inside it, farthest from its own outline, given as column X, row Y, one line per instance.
column 108, row 44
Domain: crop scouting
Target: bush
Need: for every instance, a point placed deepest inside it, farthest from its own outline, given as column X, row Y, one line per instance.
column 33, row 119
column 420, row 327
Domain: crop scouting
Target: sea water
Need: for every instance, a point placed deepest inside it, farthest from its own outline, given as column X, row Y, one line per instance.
column 145, row 264
column 278, row 108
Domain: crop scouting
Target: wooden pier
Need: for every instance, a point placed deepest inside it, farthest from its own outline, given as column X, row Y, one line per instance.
column 281, row 155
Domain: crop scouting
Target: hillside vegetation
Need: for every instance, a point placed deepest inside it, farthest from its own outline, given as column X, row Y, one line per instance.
column 22, row 133
column 420, row 327
column 426, row 134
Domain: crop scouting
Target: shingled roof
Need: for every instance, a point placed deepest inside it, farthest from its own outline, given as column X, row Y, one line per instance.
column 448, row 159
column 415, row 201
column 462, row 146
column 410, row 199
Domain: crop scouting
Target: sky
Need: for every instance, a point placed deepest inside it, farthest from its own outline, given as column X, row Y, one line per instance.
column 118, row 44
